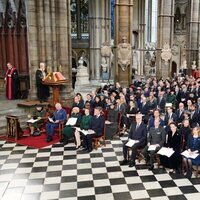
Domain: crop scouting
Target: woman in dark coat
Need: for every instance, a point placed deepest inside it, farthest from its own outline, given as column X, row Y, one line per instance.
column 130, row 113
column 185, row 131
column 173, row 141
column 111, row 122
column 193, row 146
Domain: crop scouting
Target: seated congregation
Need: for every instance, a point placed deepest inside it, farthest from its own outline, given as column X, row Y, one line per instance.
column 161, row 119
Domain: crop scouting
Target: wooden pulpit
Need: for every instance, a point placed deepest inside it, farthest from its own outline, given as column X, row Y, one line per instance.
column 55, row 80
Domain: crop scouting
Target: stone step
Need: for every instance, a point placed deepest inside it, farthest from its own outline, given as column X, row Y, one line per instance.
column 10, row 108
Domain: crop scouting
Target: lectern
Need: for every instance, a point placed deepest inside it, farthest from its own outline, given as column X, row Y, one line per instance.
column 55, row 80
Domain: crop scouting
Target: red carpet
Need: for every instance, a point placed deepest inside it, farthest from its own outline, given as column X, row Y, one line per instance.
column 34, row 142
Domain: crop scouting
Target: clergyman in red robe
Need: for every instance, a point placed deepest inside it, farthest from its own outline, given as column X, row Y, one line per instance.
column 12, row 82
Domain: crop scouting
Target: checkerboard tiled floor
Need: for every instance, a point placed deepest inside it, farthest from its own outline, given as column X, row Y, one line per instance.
column 58, row 172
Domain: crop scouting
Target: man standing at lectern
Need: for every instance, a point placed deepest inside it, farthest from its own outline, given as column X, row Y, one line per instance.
column 42, row 90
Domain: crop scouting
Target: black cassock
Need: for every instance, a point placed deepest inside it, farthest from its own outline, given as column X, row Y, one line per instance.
column 42, row 90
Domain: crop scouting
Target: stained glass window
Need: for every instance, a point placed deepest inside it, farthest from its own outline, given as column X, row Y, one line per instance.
column 112, row 18
column 84, row 19
column 74, row 19
column 79, row 19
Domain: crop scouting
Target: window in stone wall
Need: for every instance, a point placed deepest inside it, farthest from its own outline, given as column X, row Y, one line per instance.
column 74, row 19
column 112, row 18
column 151, row 12
column 79, row 19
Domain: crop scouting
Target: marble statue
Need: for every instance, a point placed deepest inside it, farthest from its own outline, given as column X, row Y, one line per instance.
column 147, row 58
column 124, row 54
column 80, row 62
column 183, row 68
column 82, row 76
column 107, row 56
column 106, row 53
column 104, row 65
column 194, row 65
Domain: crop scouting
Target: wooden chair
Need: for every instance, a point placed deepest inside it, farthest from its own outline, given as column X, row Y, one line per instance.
column 119, row 129
column 96, row 140
column 197, row 170
column 60, row 128
column 139, row 155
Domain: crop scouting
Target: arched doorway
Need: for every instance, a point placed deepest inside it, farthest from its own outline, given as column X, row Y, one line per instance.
column 174, row 68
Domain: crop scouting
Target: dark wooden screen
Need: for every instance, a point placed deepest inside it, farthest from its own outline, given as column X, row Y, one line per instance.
column 13, row 38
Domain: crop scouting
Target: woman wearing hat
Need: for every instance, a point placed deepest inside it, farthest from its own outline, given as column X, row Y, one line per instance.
column 38, row 116
column 111, row 122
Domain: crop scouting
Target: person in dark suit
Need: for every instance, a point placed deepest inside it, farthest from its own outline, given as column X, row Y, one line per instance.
column 121, row 108
column 138, row 133
column 156, row 115
column 184, row 95
column 58, row 116
column 193, row 116
column 170, row 116
column 161, row 101
column 180, row 114
column 156, row 136
column 144, row 106
column 97, row 126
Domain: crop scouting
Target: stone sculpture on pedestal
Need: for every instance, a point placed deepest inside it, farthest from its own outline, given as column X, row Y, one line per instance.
column 82, row 77
column 124, row 54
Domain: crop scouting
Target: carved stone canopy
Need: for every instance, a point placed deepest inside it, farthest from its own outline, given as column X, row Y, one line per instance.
column 166, row 52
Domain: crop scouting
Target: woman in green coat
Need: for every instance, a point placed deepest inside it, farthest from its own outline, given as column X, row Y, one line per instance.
column 68, row 131
column 84, row 125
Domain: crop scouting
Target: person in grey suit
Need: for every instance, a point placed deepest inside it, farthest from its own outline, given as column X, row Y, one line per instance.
column 156, row 136
column 138, row 133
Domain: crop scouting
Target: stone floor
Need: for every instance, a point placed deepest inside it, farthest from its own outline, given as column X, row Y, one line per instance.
column 62, row 172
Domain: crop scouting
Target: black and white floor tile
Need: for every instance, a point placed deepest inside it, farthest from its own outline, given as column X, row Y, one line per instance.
column 61, row 172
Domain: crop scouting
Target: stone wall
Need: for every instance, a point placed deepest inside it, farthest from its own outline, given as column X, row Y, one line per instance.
column 49, row 38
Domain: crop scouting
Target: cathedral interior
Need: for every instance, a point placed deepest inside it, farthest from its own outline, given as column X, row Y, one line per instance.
column 92, row 42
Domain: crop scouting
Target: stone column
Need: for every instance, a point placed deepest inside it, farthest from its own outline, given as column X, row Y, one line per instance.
column 123, row 27
column 165, row 35
column 49, row 36
column 33, row 45
column 100, row 32
column 141, row 35
column 193, row 32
